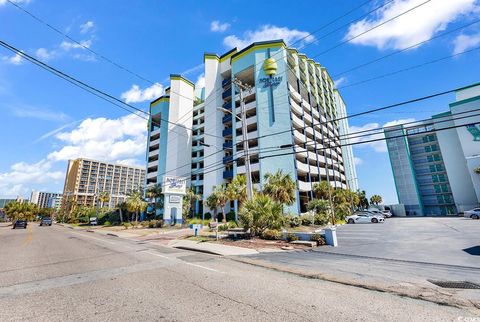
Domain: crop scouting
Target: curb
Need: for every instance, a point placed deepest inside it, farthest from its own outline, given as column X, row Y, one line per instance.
column 469, row 305
column 205, row 251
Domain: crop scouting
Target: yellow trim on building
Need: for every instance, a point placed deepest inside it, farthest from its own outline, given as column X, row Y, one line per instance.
column 210, row 56
column 256, row 47
column 181, row 78
column 160, row 100
column 224, row 58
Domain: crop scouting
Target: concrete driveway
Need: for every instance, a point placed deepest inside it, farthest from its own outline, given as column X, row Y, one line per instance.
column 449, row 241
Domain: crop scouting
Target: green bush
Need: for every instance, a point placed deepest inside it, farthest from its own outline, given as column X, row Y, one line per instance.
column 321, row 219
column 208, row 216
column 318, row 238
column 291, row 237
column 107, row 224
column 272, row 234
column 261, row 213
column 144, row 224
column 230, row 216
column 152, row 223
column 306, row 220
column 232, row 224
column 127, row 225
column 222, row 227
column 159, row 224
column 294, row 221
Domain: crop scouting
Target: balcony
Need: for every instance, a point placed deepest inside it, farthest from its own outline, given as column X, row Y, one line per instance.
column 227, row 132
column 227, row 93
column 304, row 186
column 154, row 142
column 302, row 167
column 253, row 168
column 228, row 145
column 226, row 82
column 227, row 105
column 151, row 175
column 227, row 159
column 227, row 174
column 155, row 133
column 227, row 118
column 153, row 153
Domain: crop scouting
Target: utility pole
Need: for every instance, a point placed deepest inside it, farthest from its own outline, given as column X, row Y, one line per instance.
column 241, row 88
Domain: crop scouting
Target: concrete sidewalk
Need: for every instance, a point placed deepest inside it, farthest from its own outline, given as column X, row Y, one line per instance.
column 212, row 248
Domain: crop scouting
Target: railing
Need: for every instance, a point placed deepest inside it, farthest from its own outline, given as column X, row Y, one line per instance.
column 227, row 132
column 227, row 174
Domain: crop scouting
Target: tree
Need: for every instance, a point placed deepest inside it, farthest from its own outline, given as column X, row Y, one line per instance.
column 121, row 208
column 188, row 202
column 318, row 206
column 103, row 196
column 323, row 190
column 217, row 199
column 280, row 187
column 135, row 203
column 237, row 190
column 477, row 170
column 16, row 210
column 362, row 196
column 376, row 200
column 212, row 202
column 261, row 213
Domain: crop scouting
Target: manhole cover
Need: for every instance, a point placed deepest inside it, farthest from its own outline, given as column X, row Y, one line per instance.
column 456, row 284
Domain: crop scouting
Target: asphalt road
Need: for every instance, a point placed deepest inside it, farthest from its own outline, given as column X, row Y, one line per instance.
column 57, row 274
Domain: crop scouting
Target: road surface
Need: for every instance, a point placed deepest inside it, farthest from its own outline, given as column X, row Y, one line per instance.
column 59, row 274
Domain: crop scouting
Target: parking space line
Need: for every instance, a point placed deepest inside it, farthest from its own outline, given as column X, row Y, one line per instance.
column 200, row 266
column 99, row 239
column 155, row 254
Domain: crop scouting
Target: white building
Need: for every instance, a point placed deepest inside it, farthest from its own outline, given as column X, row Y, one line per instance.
column 291, row 122
column 41, row 198
column 434, row 166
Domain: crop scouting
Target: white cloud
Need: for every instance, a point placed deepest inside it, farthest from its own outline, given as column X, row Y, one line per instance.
column 377, row 146
column 465, row 42
column 136, row 95
column 267, row 32
column 200, row 83
column 23, row 175
column 340, row 81
column 44, row 54
column 415, row 26
column 357, row 161
column 67, row 45
column 86, row 27
column 14, row 60
column 104, row 139
column 216, row 26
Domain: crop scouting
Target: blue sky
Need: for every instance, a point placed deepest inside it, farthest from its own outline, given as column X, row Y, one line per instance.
column 45, row 120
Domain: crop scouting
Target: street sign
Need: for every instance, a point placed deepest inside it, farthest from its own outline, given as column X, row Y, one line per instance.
column 174, row 185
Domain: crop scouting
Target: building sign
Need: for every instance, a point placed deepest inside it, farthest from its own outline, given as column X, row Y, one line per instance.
column 174, row 185
column 270, row 81
column 175, row 199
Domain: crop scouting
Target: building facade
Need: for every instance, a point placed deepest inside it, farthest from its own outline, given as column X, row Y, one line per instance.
column 42, row 199
column 434, row 161
column 291, row 109
column 86, row 179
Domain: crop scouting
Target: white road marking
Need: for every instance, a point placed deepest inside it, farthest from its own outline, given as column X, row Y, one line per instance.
column 200, row 266
column 155, row 254
column 99, row 239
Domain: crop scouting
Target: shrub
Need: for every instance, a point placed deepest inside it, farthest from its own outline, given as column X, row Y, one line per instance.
column 208, row 216
column 144, row 224
column 159, row 223
column 107, row 224
column 220, row 217
column 152, row 223
column 222, row 227
column 230, row 216
column 271, row 234
column 291, row 237
column 306, row 220
column 261, row 213
column 321, row 219
column 318, row 238
column 294, row 221
column 232, row 224
column 127, row 225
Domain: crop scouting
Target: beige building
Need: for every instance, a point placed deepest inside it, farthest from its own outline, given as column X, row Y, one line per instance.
column 43, row 199
column 86, row 178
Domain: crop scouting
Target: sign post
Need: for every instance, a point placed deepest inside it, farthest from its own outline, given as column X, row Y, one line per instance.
column 174, row 188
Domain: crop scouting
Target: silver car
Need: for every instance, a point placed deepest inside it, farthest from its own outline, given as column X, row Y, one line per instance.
column 364, row 217
column 474, row 213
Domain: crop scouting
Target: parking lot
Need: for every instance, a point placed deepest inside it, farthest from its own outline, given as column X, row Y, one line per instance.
column 444, row 240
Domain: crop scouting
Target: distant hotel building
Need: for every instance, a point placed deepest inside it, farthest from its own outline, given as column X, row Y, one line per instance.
column 42, row 199
column 85, row 179
column 434, row 166
column 293, row 103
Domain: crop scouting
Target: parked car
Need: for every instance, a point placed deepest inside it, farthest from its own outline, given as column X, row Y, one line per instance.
column 375, row 211
column 387, row 213
column 474, row 213
column 364, row 217
column 46, row 221
column 19, row 224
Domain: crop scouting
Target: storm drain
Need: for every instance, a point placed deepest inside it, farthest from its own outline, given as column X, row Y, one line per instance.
column 456, row 284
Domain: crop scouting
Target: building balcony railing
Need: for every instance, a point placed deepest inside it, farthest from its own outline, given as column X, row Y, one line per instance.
column 227, row 159
column 226, row 82
column 227, row 118
column 227, row 174
column 227, row 132
column 227, row 93
column 228, row 145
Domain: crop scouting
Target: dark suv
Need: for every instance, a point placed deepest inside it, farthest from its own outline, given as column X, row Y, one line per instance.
column 46, row 221
column 20, row 224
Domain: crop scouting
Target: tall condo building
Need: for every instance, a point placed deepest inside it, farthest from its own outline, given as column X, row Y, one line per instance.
column 435, row 163
column 293, row 123
column 86, row 179
column 41, row 198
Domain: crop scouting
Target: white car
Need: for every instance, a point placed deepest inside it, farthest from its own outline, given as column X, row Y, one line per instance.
column 364, row 217
column 387, row 213
column 474, row 213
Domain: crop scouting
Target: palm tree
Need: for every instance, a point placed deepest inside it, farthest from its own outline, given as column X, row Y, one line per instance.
column 16, row 210
column 261, row 213
column 322, row 190
column 188, row 202
column 376, row 199
column 212, row 202
column 237, row 189
column 135, row 203
column 103, row 196
column 362, row 196
column 121, row 208
column 280, row 187
column 222, row 200
column 318, row 206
